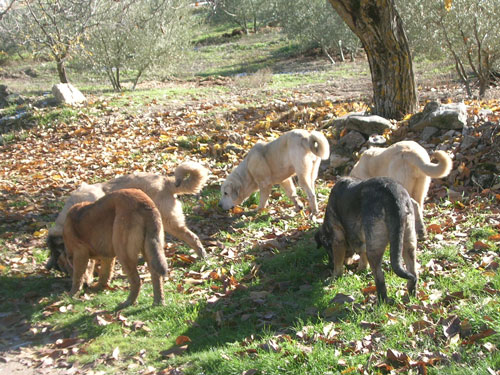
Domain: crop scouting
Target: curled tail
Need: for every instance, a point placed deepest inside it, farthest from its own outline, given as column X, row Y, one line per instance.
column 153, row 243
column 441, row 169
column 318, row 144
column 197, row 176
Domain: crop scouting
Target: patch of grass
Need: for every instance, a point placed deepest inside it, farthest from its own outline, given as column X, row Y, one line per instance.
column 58, row 115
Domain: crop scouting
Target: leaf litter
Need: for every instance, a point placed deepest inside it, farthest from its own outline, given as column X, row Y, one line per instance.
column 51, row 161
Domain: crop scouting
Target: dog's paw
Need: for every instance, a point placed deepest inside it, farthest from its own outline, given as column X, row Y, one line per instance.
column 422, row 234
column 299, row 206
column 159, row 303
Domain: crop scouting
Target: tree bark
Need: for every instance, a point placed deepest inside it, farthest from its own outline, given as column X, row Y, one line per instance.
column 380, row 29
column 61, row 71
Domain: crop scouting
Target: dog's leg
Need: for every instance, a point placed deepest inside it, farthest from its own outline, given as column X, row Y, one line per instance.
column 265, row 191
column 363, row 261
column 158, row 297
column 80, row 261
column 291, row 193
column 308, row 186
column 134, row 280
column 105, row 273
column 88, row 277
column 419, row 220
column 184, row 234
column 419, row 189
column 338, row 258
column 410, row 255
column 127, row 245
column 378, row 274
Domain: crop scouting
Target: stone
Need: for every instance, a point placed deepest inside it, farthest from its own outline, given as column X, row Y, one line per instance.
column 352, row 141
column 467, row 142
column 365, row 124
column 377, row 140
column 442, row 116
column 428, row 132
column 68, row 94
column 337, row 160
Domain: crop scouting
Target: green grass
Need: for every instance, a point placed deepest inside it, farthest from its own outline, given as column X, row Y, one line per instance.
column 264, row 298
column 278, row 320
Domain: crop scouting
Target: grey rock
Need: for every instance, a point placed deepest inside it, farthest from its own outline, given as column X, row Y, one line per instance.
column 352, row 141
column 364, row 124
column 468, row 142
column 428, row 133
column 337, row 160
column 441, row 116
column 450, row 134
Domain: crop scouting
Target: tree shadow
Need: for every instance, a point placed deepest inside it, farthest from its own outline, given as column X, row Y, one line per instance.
column 23, row 298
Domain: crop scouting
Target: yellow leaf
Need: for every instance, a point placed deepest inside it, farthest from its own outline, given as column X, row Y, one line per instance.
column 447, row 4
column 40, row 233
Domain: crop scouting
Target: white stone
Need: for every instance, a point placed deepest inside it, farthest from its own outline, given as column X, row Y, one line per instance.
column 68, row 94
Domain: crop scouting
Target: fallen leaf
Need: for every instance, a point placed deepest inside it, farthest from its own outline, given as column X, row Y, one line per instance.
column 181, row 340
column 434, row 228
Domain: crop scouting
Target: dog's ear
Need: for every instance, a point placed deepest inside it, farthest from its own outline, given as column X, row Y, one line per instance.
column 235, row 190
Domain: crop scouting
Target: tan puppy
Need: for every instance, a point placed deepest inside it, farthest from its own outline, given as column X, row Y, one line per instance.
column 266, row 164
column 406, row 162
column 122, row 224
column 189, row 178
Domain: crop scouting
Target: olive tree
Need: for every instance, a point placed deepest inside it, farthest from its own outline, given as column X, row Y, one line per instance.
column 468, row 31
column 56, row 27
column 314, row 23
column 244, row 12
column 379, row 27
column 5, row 6
column 138, row 35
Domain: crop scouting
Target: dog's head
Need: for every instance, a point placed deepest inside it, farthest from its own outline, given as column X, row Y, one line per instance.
column 230, row 192
column 57, row 258
column 325, row 241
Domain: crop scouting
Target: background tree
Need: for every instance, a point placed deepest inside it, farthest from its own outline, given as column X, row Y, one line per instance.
column 138, row 35
column 244, row 12
column 467, row 31
column 5, row 7
column 57, row 27
column 380, row 30
column 314, row 23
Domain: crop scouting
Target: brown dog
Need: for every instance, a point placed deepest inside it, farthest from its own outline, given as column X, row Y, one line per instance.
column 122, row 224
column 189, row 178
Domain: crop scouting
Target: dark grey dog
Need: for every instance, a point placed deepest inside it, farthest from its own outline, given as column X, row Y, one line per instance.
column 363, row 216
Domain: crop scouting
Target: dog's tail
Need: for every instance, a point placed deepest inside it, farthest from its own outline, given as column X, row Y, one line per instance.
column 396, row 246
column 318, row 144
column 197, row 176
column 441, row 169
column 154, row 242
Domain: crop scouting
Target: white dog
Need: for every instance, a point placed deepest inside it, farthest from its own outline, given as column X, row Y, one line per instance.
column 406, row 162
column 266, row 164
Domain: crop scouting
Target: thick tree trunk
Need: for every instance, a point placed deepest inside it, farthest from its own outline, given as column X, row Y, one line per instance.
column 380, row 29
